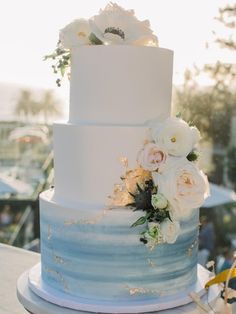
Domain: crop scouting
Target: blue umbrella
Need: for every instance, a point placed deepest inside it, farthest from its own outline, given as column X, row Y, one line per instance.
column 219, row 195
column 9, row 185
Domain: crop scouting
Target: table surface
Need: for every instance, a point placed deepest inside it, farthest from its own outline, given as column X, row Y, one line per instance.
column 13, row 262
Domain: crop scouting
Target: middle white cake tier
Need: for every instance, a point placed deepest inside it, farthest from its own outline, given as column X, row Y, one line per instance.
column 87, row 160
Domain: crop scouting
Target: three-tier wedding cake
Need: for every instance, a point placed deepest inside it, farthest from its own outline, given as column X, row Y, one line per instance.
column 119, row 231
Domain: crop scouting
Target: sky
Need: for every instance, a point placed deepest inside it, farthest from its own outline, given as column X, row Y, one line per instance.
column 29, row 30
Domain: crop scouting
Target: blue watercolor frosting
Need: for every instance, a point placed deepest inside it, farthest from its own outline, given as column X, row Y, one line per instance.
column 94, row 254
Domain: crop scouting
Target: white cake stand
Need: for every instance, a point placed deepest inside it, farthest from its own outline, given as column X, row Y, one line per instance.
column 37, row 301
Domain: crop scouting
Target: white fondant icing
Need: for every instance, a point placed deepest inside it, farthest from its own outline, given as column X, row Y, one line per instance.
column 120, row 84
column 87, row 160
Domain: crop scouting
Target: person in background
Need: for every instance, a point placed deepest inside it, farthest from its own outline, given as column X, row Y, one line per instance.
column 228, row 259
column 206, row 241
column 6, row 216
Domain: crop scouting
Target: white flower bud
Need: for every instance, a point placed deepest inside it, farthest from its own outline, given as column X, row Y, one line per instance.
column 159, row 201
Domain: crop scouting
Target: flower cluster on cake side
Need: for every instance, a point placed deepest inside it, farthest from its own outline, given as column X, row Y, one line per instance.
column 112, row 26
column 167, row 184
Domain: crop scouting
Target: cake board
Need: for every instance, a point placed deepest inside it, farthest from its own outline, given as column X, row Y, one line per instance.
column 34, row 304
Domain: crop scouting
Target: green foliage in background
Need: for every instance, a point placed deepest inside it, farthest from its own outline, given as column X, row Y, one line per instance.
column 211, row 108
column 29, row 107
column 231, row 165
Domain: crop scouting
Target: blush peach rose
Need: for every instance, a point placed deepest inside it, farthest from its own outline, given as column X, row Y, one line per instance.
column 151, row 157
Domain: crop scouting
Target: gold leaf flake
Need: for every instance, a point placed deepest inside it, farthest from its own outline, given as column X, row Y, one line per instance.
column 124, row 161
column 133, row 291
column 71, row 222
column 151, row 263
column 146, row 142
column 90, row 221
column 141, row 290
column 58, row 260
column 58, row 276
column 192, row 247
column 81, row 34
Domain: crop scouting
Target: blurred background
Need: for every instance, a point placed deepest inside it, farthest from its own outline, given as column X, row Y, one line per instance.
column 203, row 37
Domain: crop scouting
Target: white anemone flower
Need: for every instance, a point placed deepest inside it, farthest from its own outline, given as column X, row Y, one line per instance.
column 75, row 34
column 114, row 25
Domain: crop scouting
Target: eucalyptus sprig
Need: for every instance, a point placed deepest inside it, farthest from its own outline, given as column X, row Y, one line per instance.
column 61, row 62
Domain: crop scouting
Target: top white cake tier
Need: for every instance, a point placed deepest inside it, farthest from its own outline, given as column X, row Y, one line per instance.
column 120, row 84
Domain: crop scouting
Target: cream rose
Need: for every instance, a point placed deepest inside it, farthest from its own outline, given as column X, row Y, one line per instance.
column 176, row 136
column 151, row 157
column 184, row 186
column 170, row 230
column 75, row 34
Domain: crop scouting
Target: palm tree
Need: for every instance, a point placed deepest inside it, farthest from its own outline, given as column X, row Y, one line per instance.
column 49, row 106
column 26, row 106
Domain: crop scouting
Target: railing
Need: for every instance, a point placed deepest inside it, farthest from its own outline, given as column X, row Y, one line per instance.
column 27, row 228
column 23, row 232
column 48, row 171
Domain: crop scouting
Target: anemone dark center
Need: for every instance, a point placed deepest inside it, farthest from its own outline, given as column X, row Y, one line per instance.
column 115, row 31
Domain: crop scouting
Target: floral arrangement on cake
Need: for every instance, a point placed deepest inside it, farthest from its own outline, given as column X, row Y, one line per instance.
column 112, row 26
column 167, row 185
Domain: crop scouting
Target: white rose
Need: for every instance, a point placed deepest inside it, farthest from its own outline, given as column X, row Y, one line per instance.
column 184, row 186
column 159, row 201
column 75, row 34
column 170, row 230
column 176, row 136
column 151, row 157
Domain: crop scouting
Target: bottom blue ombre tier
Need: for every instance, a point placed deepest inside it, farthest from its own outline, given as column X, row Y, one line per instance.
column 94, row 254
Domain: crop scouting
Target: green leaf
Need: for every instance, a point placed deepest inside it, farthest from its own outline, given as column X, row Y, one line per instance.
column 139, row 188
column 51, row 56
column 191, row 123
column 94, row 40
column 130, row 204
column 136, row 209
column 149, row 215
column 168, row 215
column 178, row 114
column 139, row 222
column 62, row 70
column 133, row 195
column 143, row 232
